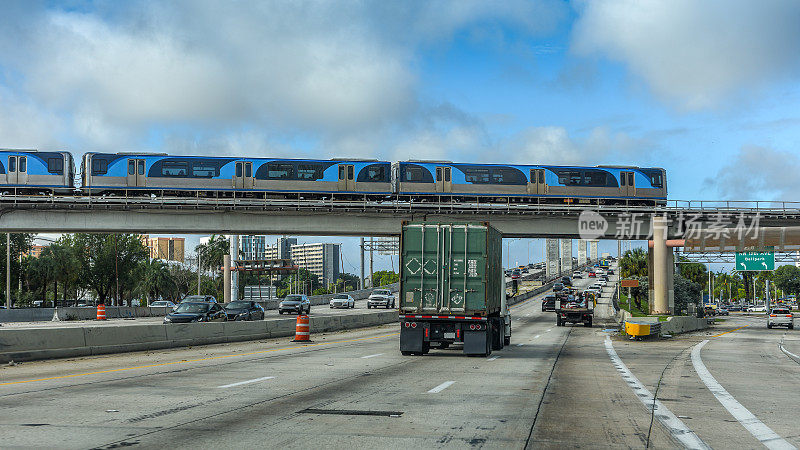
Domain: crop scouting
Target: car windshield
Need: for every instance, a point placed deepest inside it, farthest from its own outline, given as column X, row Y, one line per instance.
column 237, row 305
column 340, row 297
column 381, row 292
column 193, row 307
column 780, row 311
column 293, row 298
column 195, row 298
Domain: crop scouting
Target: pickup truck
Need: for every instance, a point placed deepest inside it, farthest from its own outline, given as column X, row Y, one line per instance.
column 580, row 310
column 380, row 297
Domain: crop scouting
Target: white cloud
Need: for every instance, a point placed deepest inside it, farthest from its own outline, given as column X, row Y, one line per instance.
column 554, row 145
column 25, row 125
column 695, row 54
column 759, row 173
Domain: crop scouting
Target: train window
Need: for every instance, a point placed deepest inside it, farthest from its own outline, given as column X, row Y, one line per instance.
column 280, row 171
column 175, row 168
column 416, row 175
column 309, row 172
column 541, row 176
column 630, row 178
column 656, row 180
column 596, row 178
column 533, row 175
column 55, row 166
column 141, row 167
column 201, row 170
column 131, row 167
column 238, row 170
column 248, row 170
column 350, row 172
column 447, row 174
column 477, row 176
column 23, row 163
column 623, row 179
column 12, row 164
column 99, row 166
column 438, row 174
column 570, row 177
column 507, row 175
column 341, row 172
column 374, row 173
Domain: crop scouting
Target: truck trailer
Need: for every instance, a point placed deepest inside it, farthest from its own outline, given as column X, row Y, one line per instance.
column 452, row 288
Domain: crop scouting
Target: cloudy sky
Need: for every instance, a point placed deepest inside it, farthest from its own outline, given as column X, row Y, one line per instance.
column 706, row 89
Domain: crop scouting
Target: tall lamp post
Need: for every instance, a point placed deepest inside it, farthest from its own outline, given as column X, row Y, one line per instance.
column 508, row 249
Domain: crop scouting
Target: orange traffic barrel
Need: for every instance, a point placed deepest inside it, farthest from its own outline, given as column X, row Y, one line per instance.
column 101, row 312
column 302, row 331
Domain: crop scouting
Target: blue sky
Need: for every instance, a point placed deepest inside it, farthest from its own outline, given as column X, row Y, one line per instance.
column 707, row 90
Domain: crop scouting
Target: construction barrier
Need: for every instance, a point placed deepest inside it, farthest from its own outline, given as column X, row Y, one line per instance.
column 101, row 312
column 301, row 331
column 641, row 328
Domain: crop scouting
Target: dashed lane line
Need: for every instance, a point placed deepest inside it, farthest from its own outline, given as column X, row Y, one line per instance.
column 749, row 421
column 441, row 387
column 371, row 356
column 493, row 358
column 254, row 380
column 674, row 426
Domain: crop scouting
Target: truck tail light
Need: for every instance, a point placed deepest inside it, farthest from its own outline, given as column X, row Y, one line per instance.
column 407, row 324
column 773, row 315
column 426, row 332
column 413, row 324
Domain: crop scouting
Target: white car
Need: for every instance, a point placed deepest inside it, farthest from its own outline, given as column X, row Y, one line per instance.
column 760, row 308
column 163, row 304
column 601, row 282
column 342, row 301
column 780, row 317
column 380, row 297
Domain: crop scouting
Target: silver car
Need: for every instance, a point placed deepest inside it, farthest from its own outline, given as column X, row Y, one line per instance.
column 342, row 301
column 380, row 297
column 780, row 317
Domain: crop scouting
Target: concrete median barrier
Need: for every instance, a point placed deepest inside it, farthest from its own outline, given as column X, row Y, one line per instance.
column 25, row 344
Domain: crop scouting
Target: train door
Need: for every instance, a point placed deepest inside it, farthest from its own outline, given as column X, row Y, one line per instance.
column 243, row 178
column 627, row 184
column 536, row 185
column 444, row 181
column 17, row 170
column 136, row 176
column 347, row 181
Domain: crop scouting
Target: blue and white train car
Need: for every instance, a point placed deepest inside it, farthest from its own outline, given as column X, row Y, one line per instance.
column 105, row 172
column 544, row 183
column 31, row 171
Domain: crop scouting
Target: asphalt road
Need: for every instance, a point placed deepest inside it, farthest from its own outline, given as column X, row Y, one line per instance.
column 554, row 387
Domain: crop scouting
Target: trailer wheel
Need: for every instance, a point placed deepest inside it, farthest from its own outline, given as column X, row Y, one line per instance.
column 507, row 340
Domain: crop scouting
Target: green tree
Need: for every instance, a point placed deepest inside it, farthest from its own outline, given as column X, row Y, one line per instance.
column 155, row 281
column 384, row 277
column 65, row 262
column 633, row 263
column 787, row 279
column 301, row 282
column 20, row 243
column 212, row 253
column 107, row 259
column 686, row 292
column 694, row 272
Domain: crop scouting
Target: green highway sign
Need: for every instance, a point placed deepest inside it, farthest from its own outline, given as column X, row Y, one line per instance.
column 762, row 260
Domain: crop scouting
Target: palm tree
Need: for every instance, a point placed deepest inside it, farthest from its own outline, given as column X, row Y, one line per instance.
column 156, row 281
column 634, row 263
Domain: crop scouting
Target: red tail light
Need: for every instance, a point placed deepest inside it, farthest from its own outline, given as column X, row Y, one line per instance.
column 413, row 324
column 773, row 315
column 426, row 332
column 407, row 324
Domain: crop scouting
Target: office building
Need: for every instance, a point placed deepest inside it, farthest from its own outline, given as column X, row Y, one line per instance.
column 164, row 248
column 320, row 259
column 253, row 247
column 282, row 249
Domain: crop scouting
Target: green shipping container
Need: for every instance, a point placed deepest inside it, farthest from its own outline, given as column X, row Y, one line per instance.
column 451, row 269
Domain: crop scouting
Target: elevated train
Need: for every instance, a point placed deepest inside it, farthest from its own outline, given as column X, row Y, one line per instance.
column 29, row 171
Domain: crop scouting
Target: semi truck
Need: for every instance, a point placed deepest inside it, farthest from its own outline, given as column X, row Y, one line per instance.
column 452, row 288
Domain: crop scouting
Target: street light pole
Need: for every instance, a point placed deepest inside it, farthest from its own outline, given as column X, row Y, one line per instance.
column 8, row 270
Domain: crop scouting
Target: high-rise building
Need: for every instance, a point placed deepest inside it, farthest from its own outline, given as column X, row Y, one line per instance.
column 320, row 259
column 281, row 250
column 35, row 251
column 165, row 248
column 253, row 247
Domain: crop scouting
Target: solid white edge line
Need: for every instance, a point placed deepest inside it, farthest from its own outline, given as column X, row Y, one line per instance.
column 254, row 380
column 537, row 336
column 493, row 358
column 441, row 387
column 371, row 356
column 789, row 353
column 758, row 429
column 674, row 426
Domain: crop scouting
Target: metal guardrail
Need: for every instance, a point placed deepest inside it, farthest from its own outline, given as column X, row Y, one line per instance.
column 392, row 203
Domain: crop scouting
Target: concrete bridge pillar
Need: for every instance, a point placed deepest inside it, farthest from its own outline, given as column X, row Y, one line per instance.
column 226, row 278
column 660, row 268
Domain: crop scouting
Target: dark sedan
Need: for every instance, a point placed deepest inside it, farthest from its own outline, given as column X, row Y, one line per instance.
column 196, row 312
column 549, row 303
column 241, row 310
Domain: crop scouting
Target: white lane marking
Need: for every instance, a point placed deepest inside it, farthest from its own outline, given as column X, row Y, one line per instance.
column 763, row 433
column 371, row 356
column 549, row 329
column 254, row 380
column 788, row 352
column 493, row 358
column 675, row 426
column 441, row 387
column 537, row 336
column 520, row 344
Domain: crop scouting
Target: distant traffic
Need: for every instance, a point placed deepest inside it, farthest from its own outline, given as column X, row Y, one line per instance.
column 29, row 171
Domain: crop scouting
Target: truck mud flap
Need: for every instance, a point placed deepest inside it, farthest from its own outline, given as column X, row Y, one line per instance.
column 411, row 339
column 475, row 342
column 498, row 333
